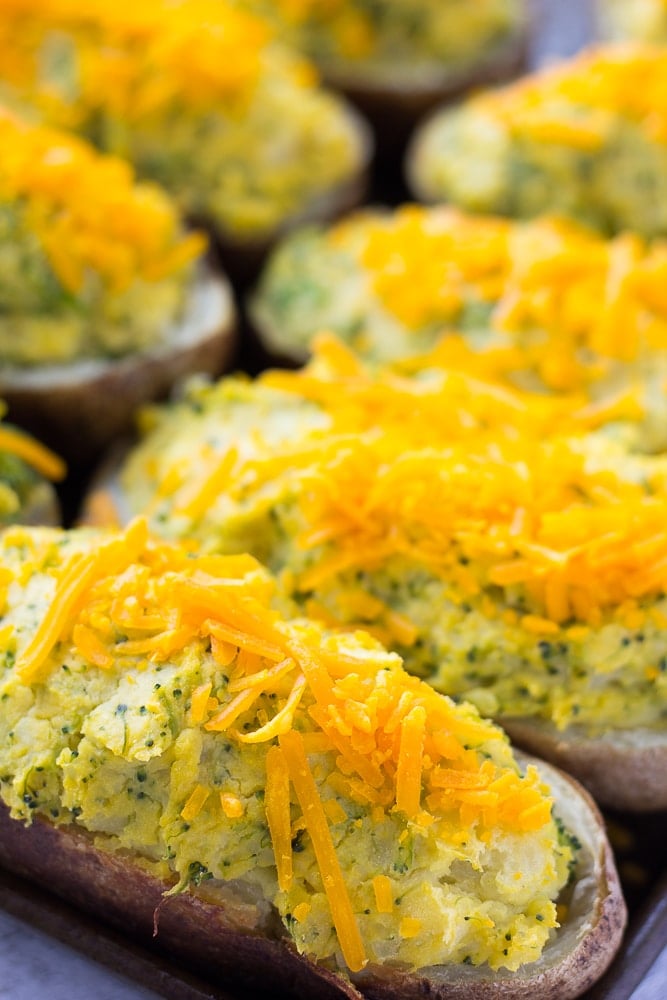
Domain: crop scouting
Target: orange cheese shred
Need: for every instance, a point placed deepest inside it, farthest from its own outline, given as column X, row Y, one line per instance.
column 384, row 897
column 91, row 648
column 199, row 702
column 79, row 573
column 34, row 454
column 410, row 761
column 231, row 805
column 277, row 806
column 231, row 710
column 207, row 492
column 195, row 803
column 315, row 819
column 241, row 639
column 281, row 721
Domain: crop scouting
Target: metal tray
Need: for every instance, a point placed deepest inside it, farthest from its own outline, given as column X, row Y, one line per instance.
column 560, row 28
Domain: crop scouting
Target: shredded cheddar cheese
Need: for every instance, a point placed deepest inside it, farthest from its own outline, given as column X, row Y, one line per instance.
column 383, row 893
column 153, row 56
column 596, row 82
column 554, row 142
column 482, row 486
column 503, row 291
column 34, row 454
column 87, row 210
column 195, row 803
column 162, row 85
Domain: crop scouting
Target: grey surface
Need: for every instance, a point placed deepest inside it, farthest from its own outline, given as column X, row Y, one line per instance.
column 34, row 966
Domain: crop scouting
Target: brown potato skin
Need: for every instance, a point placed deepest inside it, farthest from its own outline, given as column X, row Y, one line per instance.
column 230, row 941
column 208, row 938
column 79, row 409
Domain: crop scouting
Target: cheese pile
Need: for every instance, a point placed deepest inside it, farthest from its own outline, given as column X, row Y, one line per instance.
column 245, row 141
column 87, row 211
column 596, row 84
column 586, row 138
column 155, row 55
column 449, row 473
column 395, row 285
column 473, row 528
column 127, row 660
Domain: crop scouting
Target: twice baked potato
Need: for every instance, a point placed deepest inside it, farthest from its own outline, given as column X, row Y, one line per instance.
column 397, row 59
column 586, row 138
column 284, row 805
column 543, row 304
column 104, row 300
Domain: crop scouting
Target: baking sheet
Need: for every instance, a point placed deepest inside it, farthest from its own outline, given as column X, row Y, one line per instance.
column 561, row 27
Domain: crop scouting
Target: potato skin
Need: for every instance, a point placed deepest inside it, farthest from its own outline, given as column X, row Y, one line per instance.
column 232, row 941
column 582, row 951
column 213, row 940
column 78, row 409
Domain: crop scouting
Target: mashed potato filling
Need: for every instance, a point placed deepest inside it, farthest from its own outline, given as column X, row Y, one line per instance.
column 634, row 20
column 150, row 695
column 512, row 553
column 92, row 263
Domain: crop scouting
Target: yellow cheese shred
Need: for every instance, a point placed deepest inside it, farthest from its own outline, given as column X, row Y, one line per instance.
column 410, row 761
column 199, row 702
column 134, row 232
column 382, row 889
column 195, row 803
column 77, row 576
column 315, row 819
column 34, row 454
column 277, row 805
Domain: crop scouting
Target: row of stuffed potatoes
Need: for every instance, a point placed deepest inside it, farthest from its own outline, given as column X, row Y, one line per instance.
column 170, row 212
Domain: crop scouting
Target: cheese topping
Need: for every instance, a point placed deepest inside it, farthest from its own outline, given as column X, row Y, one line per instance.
column 395, row 285
column 596, row 83
column 472, row 482
column 247, row 141
column 417, row 508
column 88, row 212
column 360, row 735
column 157, row 53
